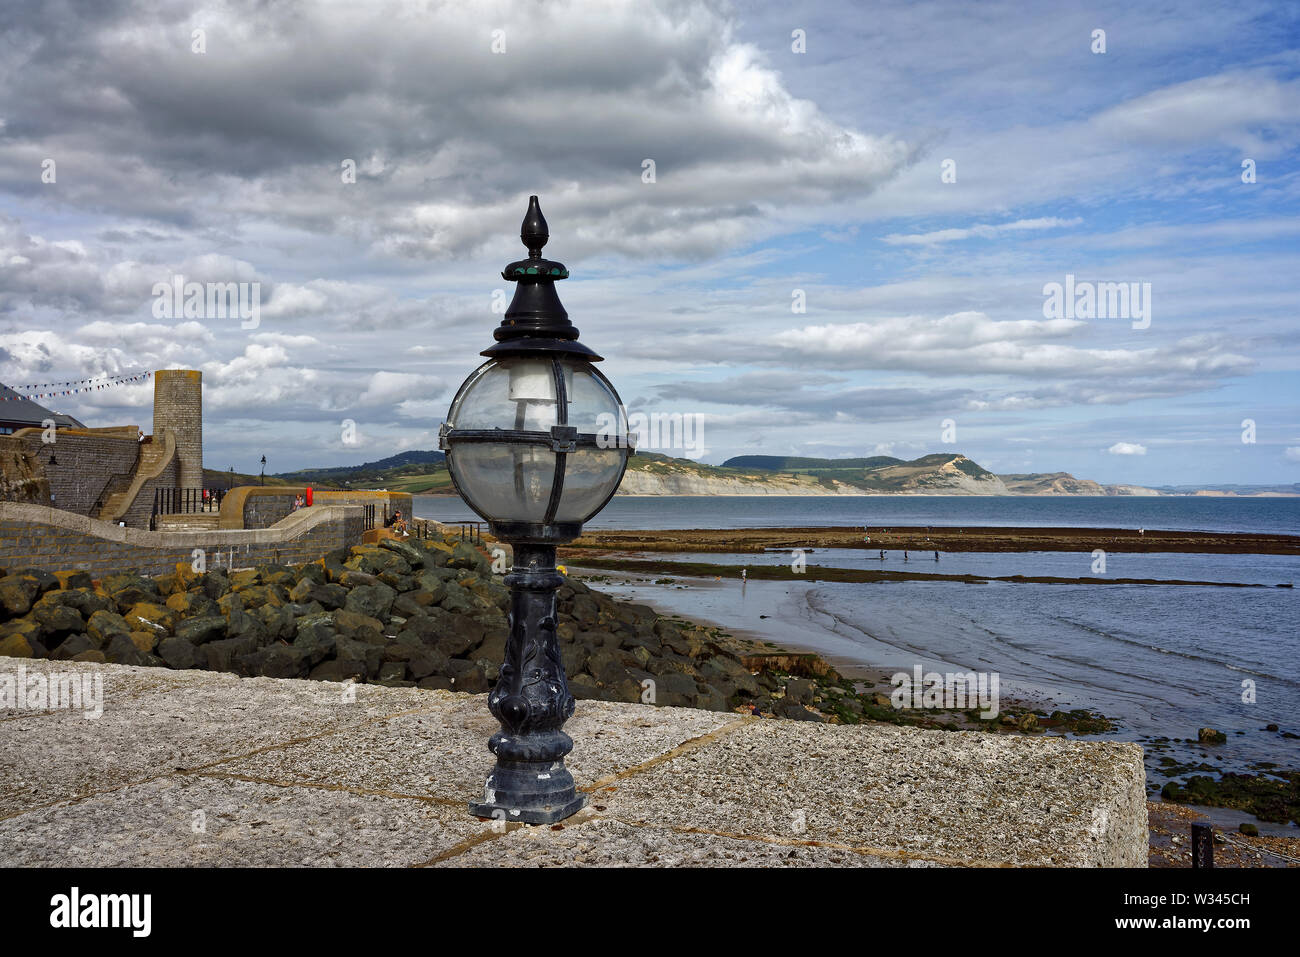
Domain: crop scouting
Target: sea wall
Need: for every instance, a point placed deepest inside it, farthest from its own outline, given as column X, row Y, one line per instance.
column 256, row 506
column 33, row 536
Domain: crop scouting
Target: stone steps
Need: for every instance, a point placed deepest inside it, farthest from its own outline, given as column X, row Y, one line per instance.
column 189, row 522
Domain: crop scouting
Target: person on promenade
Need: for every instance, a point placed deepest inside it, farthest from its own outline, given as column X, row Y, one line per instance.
column 936, row 556
column 904, row 554
column 882, row 554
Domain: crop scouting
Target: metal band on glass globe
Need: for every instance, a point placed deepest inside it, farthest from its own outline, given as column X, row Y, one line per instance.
column 537, row 443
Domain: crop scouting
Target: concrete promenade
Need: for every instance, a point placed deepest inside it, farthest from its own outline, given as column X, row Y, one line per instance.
column 195, row 768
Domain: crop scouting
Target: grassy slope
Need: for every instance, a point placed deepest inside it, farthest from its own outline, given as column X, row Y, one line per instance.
column 422, row 477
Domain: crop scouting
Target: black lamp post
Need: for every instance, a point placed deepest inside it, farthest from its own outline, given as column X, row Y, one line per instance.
column 536, row 442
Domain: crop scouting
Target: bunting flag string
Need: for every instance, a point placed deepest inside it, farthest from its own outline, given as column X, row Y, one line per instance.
column 75, row 386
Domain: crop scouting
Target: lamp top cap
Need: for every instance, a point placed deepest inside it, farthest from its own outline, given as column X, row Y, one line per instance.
column 534, row 232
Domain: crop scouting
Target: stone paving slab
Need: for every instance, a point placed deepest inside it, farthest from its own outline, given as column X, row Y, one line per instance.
column 947, row 796
column 288, row 772
column 596, row 841
column 156, row 721
column 444, row 753
column 220, row 822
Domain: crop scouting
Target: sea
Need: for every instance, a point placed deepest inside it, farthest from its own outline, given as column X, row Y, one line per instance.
column 1162, row 660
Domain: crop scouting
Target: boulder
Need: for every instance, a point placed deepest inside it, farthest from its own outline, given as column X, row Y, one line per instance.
column 792, row 710
column 16, row 595
column 358, row 655
column 275, row 661
column 87, row 601
column 128, row 589
column 800, row 690
column 74, row 579
column 105, row 625
column 328, row 596
column 245, row 578
column 71, row 646
column 466, row 676
column 16, row 646
column 45, row 581
column 272, row 593
column 278, row 621
column 392, row 671
column 373, row 601
column 426, row 662
column 121, row 650
column 215, row 583
column 177, row 652
column 339, row 670
column 606, row 667
column 465, row 555
column 410, row 551
column 146, row 641
column 201, row 630
column 57, row 620
column 192, row 604
column 356, row 625
column 150, row 616
column 222, row 653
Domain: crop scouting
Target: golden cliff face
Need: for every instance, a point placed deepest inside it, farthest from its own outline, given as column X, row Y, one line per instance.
column 686, row 482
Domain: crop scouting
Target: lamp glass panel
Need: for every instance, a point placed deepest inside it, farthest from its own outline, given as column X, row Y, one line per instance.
column 590, row 475
column 503, row 482
column 512, row 481
column 510, row 394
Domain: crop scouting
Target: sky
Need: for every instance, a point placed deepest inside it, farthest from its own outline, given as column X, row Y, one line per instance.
column 843, row 244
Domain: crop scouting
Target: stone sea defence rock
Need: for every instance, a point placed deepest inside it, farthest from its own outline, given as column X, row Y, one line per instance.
column 428, row 613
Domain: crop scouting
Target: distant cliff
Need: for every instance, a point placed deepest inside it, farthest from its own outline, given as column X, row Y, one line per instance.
column 1063, row 483
column 936, row 474
column 941, row 473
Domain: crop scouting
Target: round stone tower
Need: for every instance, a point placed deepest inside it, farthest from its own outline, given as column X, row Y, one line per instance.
column 178, row 407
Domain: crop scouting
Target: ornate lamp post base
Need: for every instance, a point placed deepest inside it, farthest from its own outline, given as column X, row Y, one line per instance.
column 531, row 700
column 516, row 802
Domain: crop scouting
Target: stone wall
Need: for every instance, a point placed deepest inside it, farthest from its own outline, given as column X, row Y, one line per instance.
column 263, row 511
column 256, row 506
column 33, row 536
column 87, row 461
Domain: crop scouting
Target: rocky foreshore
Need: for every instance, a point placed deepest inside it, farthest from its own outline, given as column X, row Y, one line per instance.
column 427, row 613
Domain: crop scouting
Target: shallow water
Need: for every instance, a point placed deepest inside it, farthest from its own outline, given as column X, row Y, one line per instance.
column 1165, row 660
column 793, row 511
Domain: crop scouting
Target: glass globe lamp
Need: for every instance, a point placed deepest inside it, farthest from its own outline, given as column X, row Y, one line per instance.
column 536, row 442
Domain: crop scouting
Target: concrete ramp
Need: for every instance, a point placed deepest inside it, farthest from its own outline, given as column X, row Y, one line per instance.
column 206, row 769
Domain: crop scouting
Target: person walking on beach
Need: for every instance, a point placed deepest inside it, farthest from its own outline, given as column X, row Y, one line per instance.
column 904, row 554
column 882, row 554
column 936, row 556
column 744, row 575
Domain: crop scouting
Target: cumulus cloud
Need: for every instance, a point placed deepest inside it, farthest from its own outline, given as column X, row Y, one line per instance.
column 1127, row 448
column 257, row 129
